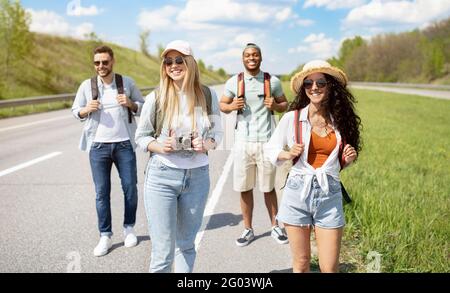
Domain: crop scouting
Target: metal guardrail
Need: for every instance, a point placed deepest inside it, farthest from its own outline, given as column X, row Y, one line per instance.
column 403, row 85
column 46, row 99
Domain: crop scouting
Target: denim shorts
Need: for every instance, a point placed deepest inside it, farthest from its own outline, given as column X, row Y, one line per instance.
column 318, row 209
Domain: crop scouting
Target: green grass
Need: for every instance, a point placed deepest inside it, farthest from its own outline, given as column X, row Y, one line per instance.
column 400, row 184
column 31, row 109
column 59, row 64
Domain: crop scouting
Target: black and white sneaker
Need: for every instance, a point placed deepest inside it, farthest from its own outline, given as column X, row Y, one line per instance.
column 278, row 235
column 246, row 237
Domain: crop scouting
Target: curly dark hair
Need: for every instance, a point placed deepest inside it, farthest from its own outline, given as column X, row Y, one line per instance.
column 339, row 104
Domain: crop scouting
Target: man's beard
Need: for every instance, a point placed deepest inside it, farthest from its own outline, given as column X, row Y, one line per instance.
column 106, row 73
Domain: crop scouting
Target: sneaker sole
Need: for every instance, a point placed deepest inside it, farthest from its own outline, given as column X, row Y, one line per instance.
column 131, row 245
column 243, row 244
column 281, row 242
column 102, row 254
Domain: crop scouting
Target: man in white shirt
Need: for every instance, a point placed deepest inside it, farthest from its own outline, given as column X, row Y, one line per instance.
column 108, row 104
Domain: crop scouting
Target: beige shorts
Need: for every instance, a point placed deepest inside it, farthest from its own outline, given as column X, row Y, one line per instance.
column 249, row 164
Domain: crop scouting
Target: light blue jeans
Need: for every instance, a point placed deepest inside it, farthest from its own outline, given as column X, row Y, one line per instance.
column 174, row 200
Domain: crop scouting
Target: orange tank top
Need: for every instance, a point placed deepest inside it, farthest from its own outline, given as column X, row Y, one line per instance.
column 320, row 148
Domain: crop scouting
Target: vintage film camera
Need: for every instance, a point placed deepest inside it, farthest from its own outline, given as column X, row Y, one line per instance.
column 183, row 143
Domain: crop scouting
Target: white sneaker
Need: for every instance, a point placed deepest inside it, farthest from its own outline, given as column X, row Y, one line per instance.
column 279, row 235
column 130, row 239
column 103, row 246
column 246, row 237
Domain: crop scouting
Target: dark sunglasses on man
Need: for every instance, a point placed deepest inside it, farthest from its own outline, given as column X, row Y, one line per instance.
column 103, row 62
column 169, row 61
column 321, row 83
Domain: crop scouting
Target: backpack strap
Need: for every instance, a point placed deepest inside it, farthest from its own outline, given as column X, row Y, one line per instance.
column 120, row 90
column 341, row 154
column 298, row 127
column 208, row 97
column 94, row 88
column 240, row 93
column 267, row 88
column 240, row 85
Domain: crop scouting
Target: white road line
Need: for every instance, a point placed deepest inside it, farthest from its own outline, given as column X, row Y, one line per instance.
column 29, row 163
column 35, row 123
column 212, row 202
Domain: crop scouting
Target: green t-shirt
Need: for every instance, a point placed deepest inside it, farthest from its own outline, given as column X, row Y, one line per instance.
column 256, row 123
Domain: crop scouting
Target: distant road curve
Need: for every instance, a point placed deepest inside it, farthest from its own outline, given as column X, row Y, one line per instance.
column 438, row 94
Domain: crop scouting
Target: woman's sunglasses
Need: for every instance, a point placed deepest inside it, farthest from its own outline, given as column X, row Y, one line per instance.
column 321, row 83
column 169, row 61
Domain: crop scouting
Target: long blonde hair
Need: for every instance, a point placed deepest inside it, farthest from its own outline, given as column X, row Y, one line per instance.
column 169, row 99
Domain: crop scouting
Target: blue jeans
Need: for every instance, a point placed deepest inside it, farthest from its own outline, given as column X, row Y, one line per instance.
column 174, row 203
column 102, row 156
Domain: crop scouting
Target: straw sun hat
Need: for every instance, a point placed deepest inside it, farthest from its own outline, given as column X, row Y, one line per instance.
column 313, row 67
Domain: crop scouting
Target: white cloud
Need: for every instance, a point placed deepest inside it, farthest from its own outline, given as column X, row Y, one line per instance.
column 74, row 8
column 403, row 12
column 84, row 29
column 317, row 46
column 160, row 19
column 226, row 10
column 334, row 4
column 210, row 14
column 49, row 22
column 284, row 14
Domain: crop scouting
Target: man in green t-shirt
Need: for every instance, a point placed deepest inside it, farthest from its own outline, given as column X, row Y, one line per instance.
column 255, row 125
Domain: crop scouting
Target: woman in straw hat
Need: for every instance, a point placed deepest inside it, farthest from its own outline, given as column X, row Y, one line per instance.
column 327, row 129
column 176, row 128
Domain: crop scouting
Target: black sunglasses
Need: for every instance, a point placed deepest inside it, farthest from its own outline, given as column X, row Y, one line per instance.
column 321, row 83
column 104, row 62
column 169, row 61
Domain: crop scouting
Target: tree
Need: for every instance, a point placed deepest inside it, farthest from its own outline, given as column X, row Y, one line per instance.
column 143, row 37
column 222, row 72
column 201, row 65
column 160, row 50
column 347, row 48
column 15, row 36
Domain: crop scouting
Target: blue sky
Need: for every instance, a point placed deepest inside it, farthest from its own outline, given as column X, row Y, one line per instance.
column 290, row 32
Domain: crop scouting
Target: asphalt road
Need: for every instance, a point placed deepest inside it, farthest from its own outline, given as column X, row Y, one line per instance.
column 48, row 208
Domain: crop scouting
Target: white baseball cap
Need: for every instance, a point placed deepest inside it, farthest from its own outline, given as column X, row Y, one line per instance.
column 178, row 45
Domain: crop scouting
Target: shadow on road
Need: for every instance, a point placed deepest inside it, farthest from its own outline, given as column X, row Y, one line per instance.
column 222, row 220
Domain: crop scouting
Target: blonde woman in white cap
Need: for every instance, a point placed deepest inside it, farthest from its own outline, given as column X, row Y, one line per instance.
column 180, row 123
column 321, row 130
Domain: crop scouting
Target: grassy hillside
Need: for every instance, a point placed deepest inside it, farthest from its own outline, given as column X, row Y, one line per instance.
column 59, row 64
column 400, row 184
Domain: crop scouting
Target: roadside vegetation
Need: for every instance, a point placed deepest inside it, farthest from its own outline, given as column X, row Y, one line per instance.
column 418, row 56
